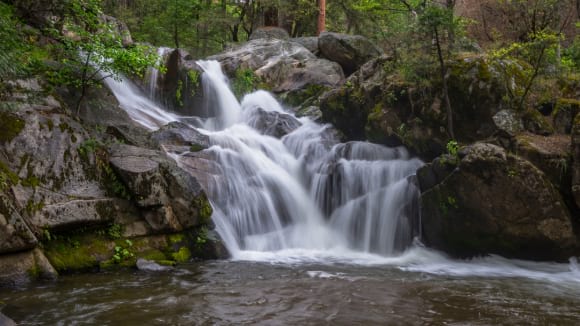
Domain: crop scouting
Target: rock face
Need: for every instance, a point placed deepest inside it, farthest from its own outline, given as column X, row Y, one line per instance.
column 180, row 87
column 493, row 202
column 270, row 33
column 350, row 51
column 282, row 65
column 172, row 199
column 576, row 160
column 377, row 104
column 275, row 124
column 21, row 268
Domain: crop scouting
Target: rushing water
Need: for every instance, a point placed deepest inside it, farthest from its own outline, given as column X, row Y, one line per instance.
column 319, row 232
column 254, row 293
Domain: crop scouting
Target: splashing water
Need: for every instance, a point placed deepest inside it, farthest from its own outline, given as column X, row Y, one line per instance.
column 308, row 198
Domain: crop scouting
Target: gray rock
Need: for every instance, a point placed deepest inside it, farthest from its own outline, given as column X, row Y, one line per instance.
column 151, row 266
column 270, row 33
column 120, row 29
column 5, row 321
column 272, row 123
column 495, row 202
column 350, row 51
column 311, row 43
column 180, row 134
column 14, row 232
column 21, row 268
column 171, row 199
column 284, row 65
column 508, row 121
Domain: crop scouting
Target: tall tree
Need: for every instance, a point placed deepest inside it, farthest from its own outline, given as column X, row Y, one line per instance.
column 321, row 16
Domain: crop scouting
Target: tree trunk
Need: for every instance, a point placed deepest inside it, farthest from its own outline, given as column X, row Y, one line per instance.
column 321, row 16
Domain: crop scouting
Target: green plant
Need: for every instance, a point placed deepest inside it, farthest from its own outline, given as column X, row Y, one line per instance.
column 115, row 231
column 201, row 238
column 123, row 253
column 244, row 82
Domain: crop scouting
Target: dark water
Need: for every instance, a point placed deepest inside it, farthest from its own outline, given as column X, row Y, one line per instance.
column 244, row 293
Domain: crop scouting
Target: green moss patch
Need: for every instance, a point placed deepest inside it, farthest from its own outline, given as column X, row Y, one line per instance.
column 10, row 126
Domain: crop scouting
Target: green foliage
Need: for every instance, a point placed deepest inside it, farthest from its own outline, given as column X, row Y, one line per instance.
column 201, row 238
column 123, row 252
column 182, row 255
column 115, row 231
column 91, row 50
column 11, row 47
column 10, row 126
column 244, row 82
column 452, row 148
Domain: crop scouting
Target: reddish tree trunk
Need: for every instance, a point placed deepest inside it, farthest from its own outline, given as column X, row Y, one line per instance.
column 321, row 16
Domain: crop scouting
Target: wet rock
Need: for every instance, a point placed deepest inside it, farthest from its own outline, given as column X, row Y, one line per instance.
column 151, row 266
column 180, row 134
column 282, row 65
column 21, row 268
column 14, row 232
column 350, row 51
column 269, row 32
column 180, row 86
column 495, row 202
column 171, row 198
column 5, row 321
column 272, row 123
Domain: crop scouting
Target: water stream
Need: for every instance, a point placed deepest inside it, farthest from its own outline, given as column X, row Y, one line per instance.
column 319, row 232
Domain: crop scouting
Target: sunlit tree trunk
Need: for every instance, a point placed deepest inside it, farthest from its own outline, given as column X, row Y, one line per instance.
column 321, row 16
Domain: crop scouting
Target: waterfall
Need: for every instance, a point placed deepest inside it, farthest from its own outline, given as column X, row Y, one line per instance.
column 305, row 192
column 153, row 73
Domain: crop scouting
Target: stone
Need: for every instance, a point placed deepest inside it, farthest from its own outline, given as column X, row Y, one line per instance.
column 284, row 66
column 5, row 321
column 563, row 115
column 170, row 198
column 119, row 28
column 350, row 51
column 269, row 32
column 21, row 268
column 311, row 43
column 151, row 266
column 508, row 121
column 495, row 203
column 180, row 134
column 272, row 123
column 14, row 232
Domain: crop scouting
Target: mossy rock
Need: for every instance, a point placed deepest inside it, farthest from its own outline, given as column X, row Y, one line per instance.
column 10, row 126
column 564, row 113
column 535, row 123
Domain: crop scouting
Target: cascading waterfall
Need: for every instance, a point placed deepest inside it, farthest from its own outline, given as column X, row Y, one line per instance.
column 153, row 73
column 303, row 193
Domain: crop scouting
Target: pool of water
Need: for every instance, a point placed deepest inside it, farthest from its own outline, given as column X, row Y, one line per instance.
column 308, row 292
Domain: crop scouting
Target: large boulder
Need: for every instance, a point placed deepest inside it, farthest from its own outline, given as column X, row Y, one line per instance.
column 379, row 104
column 493, row 202
column 285, row 66
column 272, row 123
column 350, row 51
column 270, row 32
column 21, row 268
column 170, row 198
column 14, row 232
column 180, row 87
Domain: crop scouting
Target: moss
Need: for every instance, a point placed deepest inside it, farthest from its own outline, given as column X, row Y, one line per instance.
column 182, row 255
column 10, row 126
column 50, row 125
column 34, row 272
column 536, row 123
column 177, row 238
column 204, row 208
column 196, row 148
column 63, row 126
column 7, row 174
column 31, row 181
column 153, row 254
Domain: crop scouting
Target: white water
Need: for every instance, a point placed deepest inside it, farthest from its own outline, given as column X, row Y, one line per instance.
column 307, row 199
